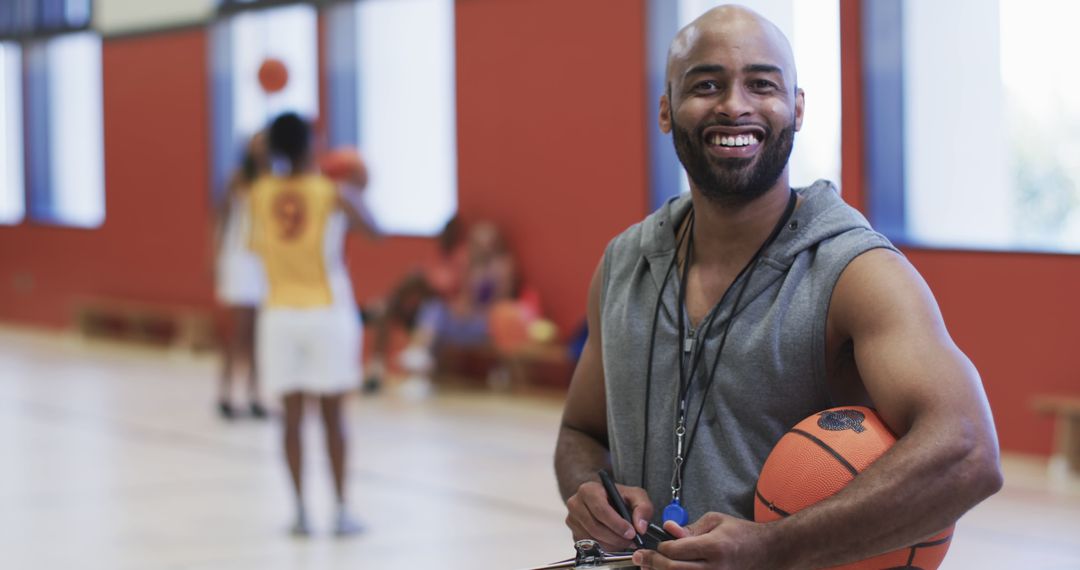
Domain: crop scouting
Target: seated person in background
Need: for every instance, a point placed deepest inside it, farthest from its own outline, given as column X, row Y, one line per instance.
column 441, row 280
column 462, row 319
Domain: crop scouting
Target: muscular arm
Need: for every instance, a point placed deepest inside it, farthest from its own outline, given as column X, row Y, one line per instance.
column 944, row 463
column 946, row 460
column 582, row 447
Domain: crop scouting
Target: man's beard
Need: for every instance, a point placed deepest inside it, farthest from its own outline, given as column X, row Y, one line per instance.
column 733, row 181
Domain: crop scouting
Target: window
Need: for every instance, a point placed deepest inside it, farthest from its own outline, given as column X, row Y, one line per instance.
column 990, row 124
column 287, row 34
column 241, row 43
column 65, row 136
column 12, row 192
column 813, row 28
column 392, row 70
column 24, row 18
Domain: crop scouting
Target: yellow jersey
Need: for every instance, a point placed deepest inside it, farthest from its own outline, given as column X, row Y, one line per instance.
column 289, row 221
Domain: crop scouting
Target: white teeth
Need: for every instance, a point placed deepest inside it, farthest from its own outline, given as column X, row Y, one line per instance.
column 733, row 141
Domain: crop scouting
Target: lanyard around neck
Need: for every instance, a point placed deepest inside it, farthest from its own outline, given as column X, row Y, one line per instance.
column 684, row 437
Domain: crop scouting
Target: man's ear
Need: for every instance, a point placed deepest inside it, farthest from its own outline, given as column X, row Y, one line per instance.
column 800, row 105
column 665, row 114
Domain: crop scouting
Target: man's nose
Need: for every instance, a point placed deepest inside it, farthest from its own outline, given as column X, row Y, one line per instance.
column 733, row 103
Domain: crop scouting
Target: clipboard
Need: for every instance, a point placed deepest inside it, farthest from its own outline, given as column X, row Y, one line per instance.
column 591, row 555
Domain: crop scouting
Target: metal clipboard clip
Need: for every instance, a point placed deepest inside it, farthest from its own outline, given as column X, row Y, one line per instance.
column 590, row 555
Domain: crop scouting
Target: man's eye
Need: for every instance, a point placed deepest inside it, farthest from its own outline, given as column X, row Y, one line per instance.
column 762, row 85
column 707, row 85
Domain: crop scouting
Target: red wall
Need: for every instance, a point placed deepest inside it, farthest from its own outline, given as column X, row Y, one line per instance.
column 1017, row 318
column 540, row 143
column 550, row 103
column 155, row 240
column 550, row 146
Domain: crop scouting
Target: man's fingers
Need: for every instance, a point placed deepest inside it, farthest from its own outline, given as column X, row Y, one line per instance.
column 676, row 530
column 607, row 539
column 689, row 548
column 597, row 504
column 641, row 507
column 693, row 540
column 585, row 510
column 653, row 560
column 706, row 523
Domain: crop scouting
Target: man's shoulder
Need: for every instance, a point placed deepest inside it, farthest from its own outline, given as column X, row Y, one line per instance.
column 825, row 222
column 653, row 234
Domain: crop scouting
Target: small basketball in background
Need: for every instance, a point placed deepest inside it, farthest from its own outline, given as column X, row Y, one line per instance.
column 508, row 326
column 273, row 75
column 343, row 164
column 819, row 457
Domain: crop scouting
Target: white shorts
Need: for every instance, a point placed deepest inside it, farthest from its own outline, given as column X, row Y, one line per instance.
column 240, row 279
column 316, row 351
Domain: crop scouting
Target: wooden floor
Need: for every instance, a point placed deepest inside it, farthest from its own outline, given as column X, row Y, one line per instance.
column 111, row 458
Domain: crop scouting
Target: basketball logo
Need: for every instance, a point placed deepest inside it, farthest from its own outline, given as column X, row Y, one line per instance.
column 290, row 214
column 839, row 420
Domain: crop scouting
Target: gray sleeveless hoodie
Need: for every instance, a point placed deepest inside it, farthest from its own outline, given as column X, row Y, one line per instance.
column 772, row 371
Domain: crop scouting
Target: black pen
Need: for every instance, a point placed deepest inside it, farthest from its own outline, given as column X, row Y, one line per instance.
column 617, row 501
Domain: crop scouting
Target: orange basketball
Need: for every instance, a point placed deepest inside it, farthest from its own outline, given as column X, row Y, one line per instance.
column 342, row 164
column 508, row 326
column 273, row 75
column 817, row 458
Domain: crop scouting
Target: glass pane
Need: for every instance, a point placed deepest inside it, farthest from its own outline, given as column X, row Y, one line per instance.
column 813, row 28
column 1042, row 111
column 12, row 192
column 75, row 137
column 992, row 124
column 288, row 34
column 407, row 117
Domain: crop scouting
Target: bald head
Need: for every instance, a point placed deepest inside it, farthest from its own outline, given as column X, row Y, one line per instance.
column 731, row 27
column 732, row 104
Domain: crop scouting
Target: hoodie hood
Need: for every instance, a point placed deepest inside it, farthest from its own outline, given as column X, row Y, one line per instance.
column 821, row 216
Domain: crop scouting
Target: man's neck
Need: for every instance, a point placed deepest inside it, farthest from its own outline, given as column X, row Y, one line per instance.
column 726, row 235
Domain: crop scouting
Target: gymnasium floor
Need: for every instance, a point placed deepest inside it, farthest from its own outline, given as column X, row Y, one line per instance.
column 112, row 459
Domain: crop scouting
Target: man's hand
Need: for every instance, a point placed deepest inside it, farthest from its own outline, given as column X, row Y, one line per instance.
column 714, row 541
column 592, row 516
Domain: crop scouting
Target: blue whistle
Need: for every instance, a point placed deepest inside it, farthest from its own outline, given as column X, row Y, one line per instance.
column 676, row 513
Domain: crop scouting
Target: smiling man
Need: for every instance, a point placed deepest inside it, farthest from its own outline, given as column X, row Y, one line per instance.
column 732, row 313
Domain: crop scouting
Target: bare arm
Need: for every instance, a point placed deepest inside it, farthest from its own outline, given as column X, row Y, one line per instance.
column 946, row 460
column 582, row 448
column 927, row 391
column 351, row 201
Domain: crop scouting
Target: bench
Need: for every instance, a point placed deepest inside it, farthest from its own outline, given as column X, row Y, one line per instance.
column 533, row 366
column 155, row 324
column 1066, row 413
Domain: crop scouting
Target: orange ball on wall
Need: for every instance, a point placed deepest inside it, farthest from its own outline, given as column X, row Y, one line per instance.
column 273, row 75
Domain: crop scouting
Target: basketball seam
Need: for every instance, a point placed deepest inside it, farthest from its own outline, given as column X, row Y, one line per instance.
column 938, row 542
column 831, row 451
column 916, row 547
column 771, row 506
